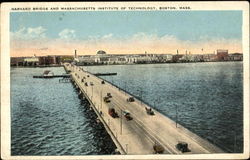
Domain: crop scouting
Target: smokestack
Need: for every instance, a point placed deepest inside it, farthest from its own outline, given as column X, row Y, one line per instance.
column 75, row 54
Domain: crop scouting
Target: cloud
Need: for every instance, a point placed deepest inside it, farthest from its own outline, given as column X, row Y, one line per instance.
column 137, row 43
column 144, row 36
column 107, row 36
column 153, row 43
column 29, row 33
column 67, row 34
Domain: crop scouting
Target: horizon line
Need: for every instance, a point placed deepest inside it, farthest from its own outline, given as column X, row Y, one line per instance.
column 118, row 54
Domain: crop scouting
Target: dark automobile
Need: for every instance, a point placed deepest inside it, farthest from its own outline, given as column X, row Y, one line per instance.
column 113, row 113
column 127, row 115
column 158, row 149
column 109, row 95
column 149, row 111
column 130, row 99
column 183, row 147
column 106, row 99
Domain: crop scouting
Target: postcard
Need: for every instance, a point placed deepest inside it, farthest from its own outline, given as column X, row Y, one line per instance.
column 125, row 80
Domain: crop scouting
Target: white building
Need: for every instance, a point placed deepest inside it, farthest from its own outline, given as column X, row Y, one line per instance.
column 86, row 59
column 31, row 61
column 164, row 57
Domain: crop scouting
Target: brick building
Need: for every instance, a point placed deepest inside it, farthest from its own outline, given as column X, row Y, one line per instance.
column 222, row 55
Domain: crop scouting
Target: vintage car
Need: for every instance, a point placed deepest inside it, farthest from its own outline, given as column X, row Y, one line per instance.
column 183, row 147
column 127, row 115
column 109, row 95
column 130, row 99
column 106, row 99
column 158, row 149
column 149, row 111
column 113, row 113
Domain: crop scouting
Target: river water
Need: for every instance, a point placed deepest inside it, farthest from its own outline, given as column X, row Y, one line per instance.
column 48, row 118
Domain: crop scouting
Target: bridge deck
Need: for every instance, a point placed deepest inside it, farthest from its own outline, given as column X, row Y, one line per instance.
column 137, row 136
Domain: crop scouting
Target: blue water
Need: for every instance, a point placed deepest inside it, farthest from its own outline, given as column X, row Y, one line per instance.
column 48, row 117
column 208, row 96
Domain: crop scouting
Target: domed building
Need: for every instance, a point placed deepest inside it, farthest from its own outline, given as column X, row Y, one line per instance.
column 101, row 52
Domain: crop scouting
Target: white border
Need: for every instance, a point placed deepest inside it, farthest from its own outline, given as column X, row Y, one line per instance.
column 5, row 74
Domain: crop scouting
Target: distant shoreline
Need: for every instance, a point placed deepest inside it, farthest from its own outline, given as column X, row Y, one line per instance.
column 155, row 63
column 45, row 66
column 36, row 66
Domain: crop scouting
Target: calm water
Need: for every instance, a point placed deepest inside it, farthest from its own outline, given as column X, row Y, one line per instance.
column 208, row 96
column 48, row 118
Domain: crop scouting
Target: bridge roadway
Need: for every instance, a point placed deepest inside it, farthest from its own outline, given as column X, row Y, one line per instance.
column 136, row 136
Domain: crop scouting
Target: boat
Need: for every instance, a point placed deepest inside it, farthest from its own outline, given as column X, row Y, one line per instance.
column 48, row 73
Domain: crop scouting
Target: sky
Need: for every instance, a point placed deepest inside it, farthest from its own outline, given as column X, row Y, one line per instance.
column 124, row 32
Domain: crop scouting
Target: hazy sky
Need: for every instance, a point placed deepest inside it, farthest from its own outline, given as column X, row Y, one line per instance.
column 44, row 33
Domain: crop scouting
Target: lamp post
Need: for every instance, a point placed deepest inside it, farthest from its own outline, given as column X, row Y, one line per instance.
column 176, row 116
column 125, row 88
column 86, row 90
column 140, row 94
column 121, row 123
column 92, row 93
column 101, row 98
